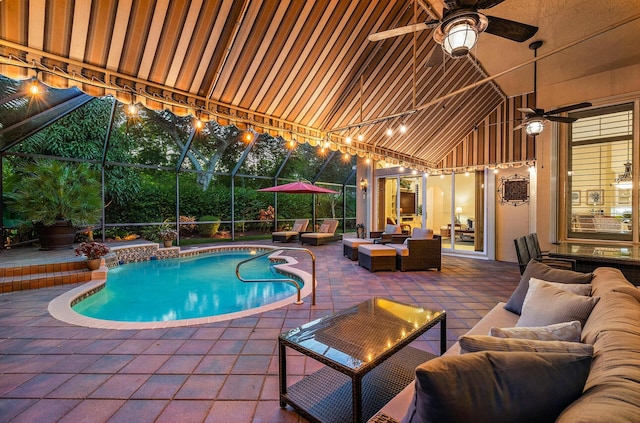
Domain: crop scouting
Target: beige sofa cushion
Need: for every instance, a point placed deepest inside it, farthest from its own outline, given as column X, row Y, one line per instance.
column 477, row 343
column 565, row 331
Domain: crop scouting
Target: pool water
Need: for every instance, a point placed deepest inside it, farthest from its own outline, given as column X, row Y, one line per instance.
column 184, row 288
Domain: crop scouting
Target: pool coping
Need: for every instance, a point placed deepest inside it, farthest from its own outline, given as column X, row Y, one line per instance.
column 60, row 307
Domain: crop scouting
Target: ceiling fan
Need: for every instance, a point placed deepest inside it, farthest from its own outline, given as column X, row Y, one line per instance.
column 460, row 25
column 535, row 119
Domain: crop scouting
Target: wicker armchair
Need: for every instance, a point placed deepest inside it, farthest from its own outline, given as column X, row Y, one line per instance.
column 419, row 254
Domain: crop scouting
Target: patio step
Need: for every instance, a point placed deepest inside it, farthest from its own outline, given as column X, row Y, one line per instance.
column 36, row 276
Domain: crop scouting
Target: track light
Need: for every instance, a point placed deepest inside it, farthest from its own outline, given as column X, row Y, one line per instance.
column 403, row 128
column 389, row 132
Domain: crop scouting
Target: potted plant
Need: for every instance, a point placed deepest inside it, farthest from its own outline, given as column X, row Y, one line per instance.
column 167, row 235
column 93, row 251
column 58, row 198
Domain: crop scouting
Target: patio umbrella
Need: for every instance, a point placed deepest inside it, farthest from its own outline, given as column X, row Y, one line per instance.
column 299, row 187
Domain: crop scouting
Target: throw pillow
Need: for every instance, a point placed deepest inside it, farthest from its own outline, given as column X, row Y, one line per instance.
column 535, row 269
column 630, row 290
column 476, row 343
column 576, row 288
column 566, row 331
column 296, row 227
column 324, row 228
column 419, row 233
column 545, row 305
column 497, row 387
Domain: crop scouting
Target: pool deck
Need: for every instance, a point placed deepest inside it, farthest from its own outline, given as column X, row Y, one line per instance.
column 217, row 372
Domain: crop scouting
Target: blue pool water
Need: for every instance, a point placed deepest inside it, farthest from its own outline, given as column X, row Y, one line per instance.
column 184, row 288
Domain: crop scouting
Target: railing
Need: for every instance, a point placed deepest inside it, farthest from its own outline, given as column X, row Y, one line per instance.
column 292, row 281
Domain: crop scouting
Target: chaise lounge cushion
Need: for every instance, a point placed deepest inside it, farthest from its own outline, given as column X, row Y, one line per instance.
column 539, row 270
column 497, row 387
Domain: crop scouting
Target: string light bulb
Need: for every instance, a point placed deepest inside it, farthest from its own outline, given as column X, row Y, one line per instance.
column 34, row 88
column 403, row 128
column 389, row 132
column 132, row 110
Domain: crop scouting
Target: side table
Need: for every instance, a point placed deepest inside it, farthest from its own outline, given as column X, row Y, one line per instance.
column 366, row 356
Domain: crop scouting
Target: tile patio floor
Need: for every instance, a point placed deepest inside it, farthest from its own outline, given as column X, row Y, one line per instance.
column 225, row 372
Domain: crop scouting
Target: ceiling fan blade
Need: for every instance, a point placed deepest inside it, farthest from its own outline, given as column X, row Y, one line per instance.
column 435, row 58
column 522, row 125
column 488, row 4
column 510, row 30
column 569, row 108
column 389, row 33
column 561, row 119
column 527, row 110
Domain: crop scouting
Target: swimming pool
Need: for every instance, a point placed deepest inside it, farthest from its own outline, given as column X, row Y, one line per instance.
column 188, row 290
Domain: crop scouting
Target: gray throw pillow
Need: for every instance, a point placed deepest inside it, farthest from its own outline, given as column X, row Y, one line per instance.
column 565, row 331
column 545, row 304
column 476, row 343
column 535, row 269
column 497, row 387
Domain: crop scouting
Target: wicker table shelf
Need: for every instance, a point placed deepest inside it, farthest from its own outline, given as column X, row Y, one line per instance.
column 368, row 362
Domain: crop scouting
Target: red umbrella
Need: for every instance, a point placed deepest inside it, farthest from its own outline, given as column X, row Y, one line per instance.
column 299, row 187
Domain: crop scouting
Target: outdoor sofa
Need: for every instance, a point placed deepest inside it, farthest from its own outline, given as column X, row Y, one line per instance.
column 593, row 378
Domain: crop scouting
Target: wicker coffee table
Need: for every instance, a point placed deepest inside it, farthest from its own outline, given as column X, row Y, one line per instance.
column 366, row 356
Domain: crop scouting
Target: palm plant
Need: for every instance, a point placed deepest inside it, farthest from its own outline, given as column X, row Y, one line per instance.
column 49, row 191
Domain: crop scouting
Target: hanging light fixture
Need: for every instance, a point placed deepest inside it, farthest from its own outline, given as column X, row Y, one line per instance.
column 535, row 126
column 460, row 35
column 625, row 180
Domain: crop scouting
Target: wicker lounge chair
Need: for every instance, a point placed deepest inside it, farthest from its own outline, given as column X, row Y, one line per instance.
column 300, row 225
column 324, row 236
column 422, row 251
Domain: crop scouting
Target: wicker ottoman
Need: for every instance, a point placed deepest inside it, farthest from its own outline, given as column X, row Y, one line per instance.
column 350, row 246
column 376, row 257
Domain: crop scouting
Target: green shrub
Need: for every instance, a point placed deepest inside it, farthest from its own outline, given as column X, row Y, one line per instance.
column 209, row 229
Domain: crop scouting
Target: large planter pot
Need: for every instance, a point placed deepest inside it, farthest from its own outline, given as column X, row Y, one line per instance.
column 58, row 236
column 168, row 243
column 93, row 264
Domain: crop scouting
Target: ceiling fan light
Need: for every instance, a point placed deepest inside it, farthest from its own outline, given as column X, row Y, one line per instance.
column 534, row 127
column 460, row 37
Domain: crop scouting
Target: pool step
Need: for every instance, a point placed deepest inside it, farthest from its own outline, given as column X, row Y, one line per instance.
column 35, row 276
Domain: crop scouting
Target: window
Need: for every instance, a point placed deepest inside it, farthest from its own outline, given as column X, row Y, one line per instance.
column 600, row 168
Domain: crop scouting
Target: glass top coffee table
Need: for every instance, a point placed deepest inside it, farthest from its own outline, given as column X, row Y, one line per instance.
column 366, row 356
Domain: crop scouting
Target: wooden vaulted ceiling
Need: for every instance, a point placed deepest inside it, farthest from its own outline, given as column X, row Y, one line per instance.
column 300, row 67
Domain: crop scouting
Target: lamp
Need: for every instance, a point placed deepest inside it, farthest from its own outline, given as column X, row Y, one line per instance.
column 534, row 126
column 458, row 211
column 459, row 35
column 363, row 186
